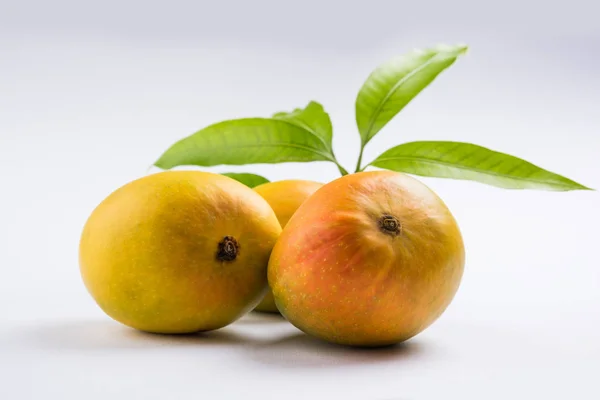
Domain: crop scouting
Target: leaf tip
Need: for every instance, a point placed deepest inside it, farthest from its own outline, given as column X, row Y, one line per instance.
column 457, row 50
column 461, row 49
column 156, row 164
column 578, row 186
column 160, row 163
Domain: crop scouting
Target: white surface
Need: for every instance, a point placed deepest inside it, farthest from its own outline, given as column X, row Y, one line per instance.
column 90, row 97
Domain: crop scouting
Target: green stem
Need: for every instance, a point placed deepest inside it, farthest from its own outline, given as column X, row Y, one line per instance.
column 342, row 169
column 362, row 148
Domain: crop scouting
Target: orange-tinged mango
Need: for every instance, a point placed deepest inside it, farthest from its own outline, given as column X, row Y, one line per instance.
column 178, row 252
column 369, row 259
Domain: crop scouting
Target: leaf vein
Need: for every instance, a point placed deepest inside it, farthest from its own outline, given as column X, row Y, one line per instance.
column 475, row 169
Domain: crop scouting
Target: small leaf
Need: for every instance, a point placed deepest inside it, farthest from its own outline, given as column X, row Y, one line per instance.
column 392, row 85
column 295, row 137
column 314, row 119
column 250, row 180
column 471, row 162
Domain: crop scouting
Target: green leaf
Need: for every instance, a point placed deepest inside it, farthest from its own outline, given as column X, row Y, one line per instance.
column 471, row 162
column 250, row 180
column 392, row 85
column 299, row 136
column 314, row 119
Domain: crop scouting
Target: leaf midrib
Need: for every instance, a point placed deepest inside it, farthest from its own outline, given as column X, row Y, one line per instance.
column 486, row 172
column 291, row 145
column 390, row 93
column 307, row 128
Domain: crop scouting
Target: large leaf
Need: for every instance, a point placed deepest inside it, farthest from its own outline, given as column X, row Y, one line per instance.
column 391, row 86
column 314, row 119
column 253, row 141
column 471, row 162
column 250, row 180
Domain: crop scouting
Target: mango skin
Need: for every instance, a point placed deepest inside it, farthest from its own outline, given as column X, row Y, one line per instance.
column 148, row 252
column 338, row 275
column 284, row 197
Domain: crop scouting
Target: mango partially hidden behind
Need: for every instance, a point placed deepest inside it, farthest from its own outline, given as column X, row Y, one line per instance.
column 178, row 252
column 284, row 197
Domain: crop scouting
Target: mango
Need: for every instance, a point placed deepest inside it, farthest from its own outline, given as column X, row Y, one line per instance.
column 370, row 259
column 178, row 252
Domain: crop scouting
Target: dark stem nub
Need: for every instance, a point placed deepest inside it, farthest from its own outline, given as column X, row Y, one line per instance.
column 390, row 225
column 228, row 249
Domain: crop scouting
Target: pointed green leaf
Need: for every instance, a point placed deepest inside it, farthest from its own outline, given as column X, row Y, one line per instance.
column 297, row 137
column 314, row 119
column 391, row 86
column 250, row 180
column 471, row 162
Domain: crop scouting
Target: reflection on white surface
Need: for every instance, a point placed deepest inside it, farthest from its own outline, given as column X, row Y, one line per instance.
column 264, row 356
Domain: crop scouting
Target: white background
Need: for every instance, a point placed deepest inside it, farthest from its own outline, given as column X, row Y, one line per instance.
column 92, row 93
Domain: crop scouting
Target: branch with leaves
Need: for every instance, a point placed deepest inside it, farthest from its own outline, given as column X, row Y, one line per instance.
column 305, row 135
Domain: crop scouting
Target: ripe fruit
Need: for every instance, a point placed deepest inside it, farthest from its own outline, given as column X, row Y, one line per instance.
column 370, row 259
column 178, row 252
column 284, row 197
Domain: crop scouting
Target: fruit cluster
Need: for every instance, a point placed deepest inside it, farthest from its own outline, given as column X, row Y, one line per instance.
column 369, row 259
